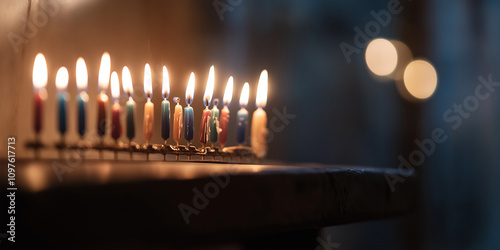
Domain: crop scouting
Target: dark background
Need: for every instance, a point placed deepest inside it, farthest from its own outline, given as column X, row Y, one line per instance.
column 344, row 115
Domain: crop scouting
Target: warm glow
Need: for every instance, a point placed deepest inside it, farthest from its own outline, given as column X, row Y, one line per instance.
column 82, row 77
column 190, row 90
column 228, row 94
column 165, row 90
column 103, row 97
column 40, row 72
column 420, row 79
column 62, row 78
column 115, row 86
column 261, row 99
column 148, row 83
column 128, row 88
column 245, row 93
column 209, row 90
column 104, row 71
column 381, row 57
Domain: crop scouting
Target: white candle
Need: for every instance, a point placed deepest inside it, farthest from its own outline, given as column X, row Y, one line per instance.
column 259, row 118
column 149, row 106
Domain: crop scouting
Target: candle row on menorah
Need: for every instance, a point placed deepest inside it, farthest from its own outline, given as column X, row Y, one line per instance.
column 214, row 122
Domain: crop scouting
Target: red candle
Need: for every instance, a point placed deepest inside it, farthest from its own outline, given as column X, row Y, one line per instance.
column 224, row 119
column 205, row 126
column 38, row 111
column 102, row 100
column 39, row 84
column 224, row 114
column 116, row 127
column 207, row 99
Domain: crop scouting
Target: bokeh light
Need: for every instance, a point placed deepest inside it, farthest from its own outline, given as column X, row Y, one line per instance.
column 420, row 79
column 381, row 57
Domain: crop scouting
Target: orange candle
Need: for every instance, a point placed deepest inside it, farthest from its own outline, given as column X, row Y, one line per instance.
column 177, row 121
column 207, row 99
column 224, row 114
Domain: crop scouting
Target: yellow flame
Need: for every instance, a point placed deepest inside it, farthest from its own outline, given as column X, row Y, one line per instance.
column 245, row 93
column 128, row 88
column 228, row 93
column 115, row 86
column 165, row 90
column 148, row 83
column 209, row 90
column 104, row 71
column 381, row 57
column 190, row 90
column 420, row 79
column 62, row 78
column 40, row 72
column 261, row 99
column 82, row 77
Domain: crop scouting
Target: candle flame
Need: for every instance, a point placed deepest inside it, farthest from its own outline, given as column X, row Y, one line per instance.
column 148, row 83
column 190, row 90
column 103, row 97
column 128, row 88
column 62, row 78
column 82, row 77
column 209, row 90
column 40, row 72
column 245, row 92
column 104, row 71
column 228, row 93
column 115, row 86
column 165, row 90
column 261, row 99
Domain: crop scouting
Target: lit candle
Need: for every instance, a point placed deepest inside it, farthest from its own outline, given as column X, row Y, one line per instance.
column 242, row 115
column 129, row 90
column 83, row 97
column 62, row 78
column 116, row 127
column 214, row 123
column 165, row 107
column 102, row 99
column 207, row 99
column 259, row 118
column 149, row 115
column 177, row 121
column 224, row 114
column 189, row 112
column 39, row 84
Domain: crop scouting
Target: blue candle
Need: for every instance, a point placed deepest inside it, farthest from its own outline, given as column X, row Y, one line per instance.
column 165, row 107
column 130, row 106
column 242, row 115
column 165, row 119
column 188, row 123
column 61, row 84
column 83, row 97
column 214, row 122
column 61, row 100
column 189, row 112
column 82, row 103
